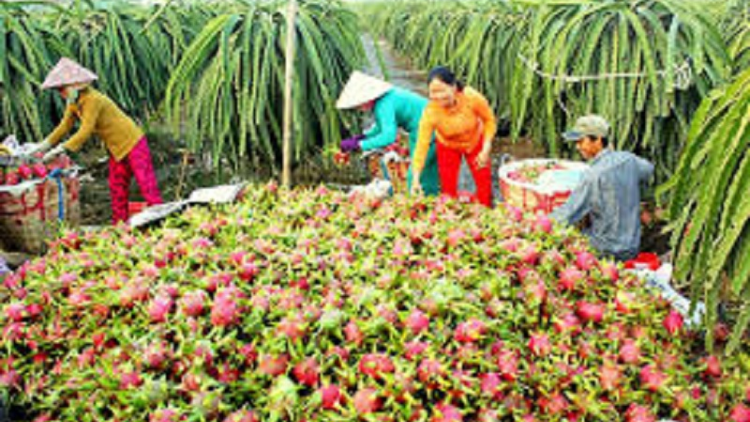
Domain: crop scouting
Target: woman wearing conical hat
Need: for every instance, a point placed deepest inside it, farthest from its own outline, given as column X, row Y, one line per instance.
column 393, row 108
column 129, row 154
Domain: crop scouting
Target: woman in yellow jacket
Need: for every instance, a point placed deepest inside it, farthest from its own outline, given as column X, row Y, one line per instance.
column 98, row 115
column 464, row 125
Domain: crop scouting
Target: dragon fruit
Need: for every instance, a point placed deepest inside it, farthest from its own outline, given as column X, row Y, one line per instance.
column 330, row 396
column 414, row 349
column 740, row 413
column 585, row 260
column 470, row 331
column 25, row 172
column 316, row 317
column 638, row 413
column 160, row 308
column 225, row 312
column 417, row 322
column 673, row 322
column 366, row 401
column 307, row 372
column 272, row 365
column 375, row 365
column 165, row 415
column 192, row 303
column 242, row 416
column 539, row 344
column 446, row 413
column 630, row 352
column 651, row 378
column 569, row 278
column 590, row 312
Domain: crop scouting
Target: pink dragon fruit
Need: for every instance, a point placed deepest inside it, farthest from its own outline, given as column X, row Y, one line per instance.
column 417, row 322
column 470, row 331
column 569, row 278
column 624, row 302
column 353, row 333
column 590, row 312
column 242, row 416
column 673, row 322
column 307, row 372
column 225, row 312
column 165, row 415
column 375, row 365
column 193, row 303
column 740, row 413
column 543, row 223
column 490, row 385
column 39, row 170
column 130, row 379
column 446, row 413
column 25, row 172
column 160, row 308
column 507, row 364
column 610, row 272
column 713, row 366
column 156, row 356
column 568, row 323
column 366, row 401
column 539, row 344
column 414, row 349
column 638, row 413
column 585, row 260
column 609, row 376
column 273, row 365
column 428, row 371
column 330, row 396
column 651, row 378
column 15, row 311
column 292, row 327
column 629, row 352
column 530, row 255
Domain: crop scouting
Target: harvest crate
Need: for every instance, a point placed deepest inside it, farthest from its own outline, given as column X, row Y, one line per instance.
column 30, row 212
column 533, row 197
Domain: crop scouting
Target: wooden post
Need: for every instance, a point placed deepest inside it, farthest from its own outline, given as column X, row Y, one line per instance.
column 286, row 177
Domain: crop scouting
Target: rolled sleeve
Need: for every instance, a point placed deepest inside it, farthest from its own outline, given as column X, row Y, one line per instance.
column 577, row 206
column 65, row 126
column 645, row 169
column 387, row 127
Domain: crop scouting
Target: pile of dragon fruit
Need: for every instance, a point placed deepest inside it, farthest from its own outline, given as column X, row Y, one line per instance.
column 310, row 305
column 530, row 173
column 30, row 171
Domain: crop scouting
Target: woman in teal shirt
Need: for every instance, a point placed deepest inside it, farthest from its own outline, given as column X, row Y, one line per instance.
column 394, row 108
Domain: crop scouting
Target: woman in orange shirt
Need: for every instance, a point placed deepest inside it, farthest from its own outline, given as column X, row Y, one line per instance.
column 464, row 125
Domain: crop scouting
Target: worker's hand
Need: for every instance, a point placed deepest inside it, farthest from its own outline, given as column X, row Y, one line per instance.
column 53, row 153
column 483, row 158
column 41, row 147
column 351, row 144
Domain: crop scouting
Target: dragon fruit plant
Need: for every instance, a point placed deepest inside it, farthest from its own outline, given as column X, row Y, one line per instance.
column 310, row 305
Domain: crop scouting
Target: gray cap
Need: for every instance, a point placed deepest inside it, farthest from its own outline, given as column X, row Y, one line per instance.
column 591, row 125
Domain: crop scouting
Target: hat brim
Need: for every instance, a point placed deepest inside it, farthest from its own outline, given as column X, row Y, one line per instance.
column 572, row 136
column 360, row 89
column 361, row 99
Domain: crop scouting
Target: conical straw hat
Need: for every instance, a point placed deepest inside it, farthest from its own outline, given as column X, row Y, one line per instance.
column 67, row 72
column 360, row 89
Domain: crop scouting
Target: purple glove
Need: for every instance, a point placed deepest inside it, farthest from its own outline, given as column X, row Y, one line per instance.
column 351, row 144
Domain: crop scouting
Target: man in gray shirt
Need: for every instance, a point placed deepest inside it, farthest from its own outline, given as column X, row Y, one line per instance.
column 609, row 193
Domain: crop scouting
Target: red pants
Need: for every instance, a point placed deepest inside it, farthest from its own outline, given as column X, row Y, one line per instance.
column 137, row 163
column 449, row 166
